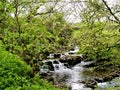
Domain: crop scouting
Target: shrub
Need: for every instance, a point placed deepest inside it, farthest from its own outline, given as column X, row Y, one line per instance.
column 13, row 71
column 15, row 74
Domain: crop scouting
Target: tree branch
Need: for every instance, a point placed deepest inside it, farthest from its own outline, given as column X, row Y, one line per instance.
column 110, row 11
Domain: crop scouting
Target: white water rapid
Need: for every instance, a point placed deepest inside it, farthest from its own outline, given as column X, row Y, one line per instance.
column 71, row 76
column 76, row 78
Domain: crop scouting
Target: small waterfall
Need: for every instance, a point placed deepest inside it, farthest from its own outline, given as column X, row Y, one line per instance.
column 76, row 77
column 72, row 77
column 51, row 65
column 58, row 65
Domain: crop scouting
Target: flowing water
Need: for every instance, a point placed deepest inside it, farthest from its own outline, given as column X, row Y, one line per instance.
column 113, row 83
column 72, row 77
column 76, row 77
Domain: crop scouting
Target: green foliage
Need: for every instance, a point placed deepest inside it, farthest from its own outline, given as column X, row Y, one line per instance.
column 96, row 11
column 29, row 38
column 15, row 74
column 60, row 31
column 101, row 42
column 113, row 88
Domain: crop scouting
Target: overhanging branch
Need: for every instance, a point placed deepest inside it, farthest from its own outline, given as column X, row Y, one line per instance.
column 110, row 11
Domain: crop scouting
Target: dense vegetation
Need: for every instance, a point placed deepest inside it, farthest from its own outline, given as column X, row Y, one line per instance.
column 32, row 38
column 28, row 36
column 100, row 42
column 15, row 74
column 99, row 38
column 28, row 39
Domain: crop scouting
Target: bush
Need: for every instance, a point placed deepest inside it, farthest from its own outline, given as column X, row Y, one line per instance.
column 13, row 71
column 100, row 42
column 15, row 74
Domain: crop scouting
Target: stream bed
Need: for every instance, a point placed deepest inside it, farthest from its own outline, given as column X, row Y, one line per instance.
column 60, row 72
column 73, row 77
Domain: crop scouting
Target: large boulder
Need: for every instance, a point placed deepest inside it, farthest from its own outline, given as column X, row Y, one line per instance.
column 71, row 60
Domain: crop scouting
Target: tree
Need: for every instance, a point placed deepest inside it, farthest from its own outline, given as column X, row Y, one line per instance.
column 113, row 14
column 26, row 33
column 97, row 10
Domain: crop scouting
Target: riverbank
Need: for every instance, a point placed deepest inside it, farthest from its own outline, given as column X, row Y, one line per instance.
column 100, row 72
